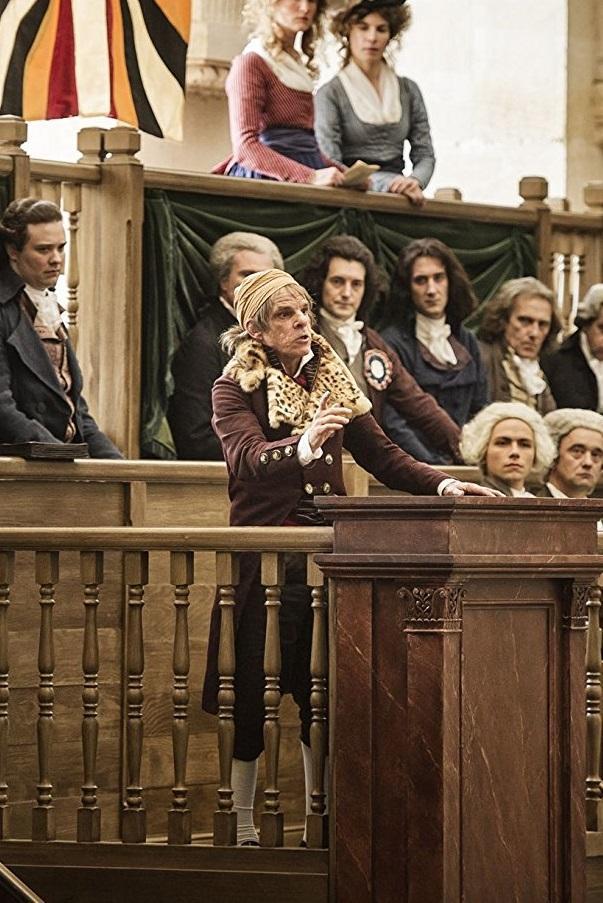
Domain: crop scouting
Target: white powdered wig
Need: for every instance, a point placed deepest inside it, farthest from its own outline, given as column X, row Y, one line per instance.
column 590, row 306
column 562, row 421
column 475, row 435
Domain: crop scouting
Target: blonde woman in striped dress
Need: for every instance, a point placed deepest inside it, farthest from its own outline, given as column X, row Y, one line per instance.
column 270, row 104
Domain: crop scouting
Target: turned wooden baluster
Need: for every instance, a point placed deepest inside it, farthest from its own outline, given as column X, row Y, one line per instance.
column 89, row 813
column 43, row 816
column 271, row 827
column 181, row 576
column 594, row 795
column 227, row 578
column 133, row 822
column 7, row 560
column 317, row 826
column 72, row 203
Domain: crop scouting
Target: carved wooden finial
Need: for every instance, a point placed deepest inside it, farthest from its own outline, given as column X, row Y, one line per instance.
column 448, row 194
column 13, row 133
column 122, row 142
column 533, row 190
column 593, row 196
column 91, row 143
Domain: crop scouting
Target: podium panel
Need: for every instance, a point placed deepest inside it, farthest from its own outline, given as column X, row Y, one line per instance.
column 458, row 698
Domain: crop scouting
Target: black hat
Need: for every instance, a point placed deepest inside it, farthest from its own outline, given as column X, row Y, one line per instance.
column 364, row 7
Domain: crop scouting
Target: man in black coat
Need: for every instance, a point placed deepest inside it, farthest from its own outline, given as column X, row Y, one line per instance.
column 199, row 360
column 575, row 370
column 40, row 379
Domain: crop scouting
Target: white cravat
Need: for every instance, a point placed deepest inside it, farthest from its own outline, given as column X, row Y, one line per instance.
column 349, row 331
column 434, row 334
column 596, row 366
column 530, row 374
column 46, row 305
column 521, row 493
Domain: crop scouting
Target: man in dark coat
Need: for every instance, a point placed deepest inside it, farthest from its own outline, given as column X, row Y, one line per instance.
column 431, row 295
column 343, row 279
column 284, row 410
column 199, row 360
column 40, row 379
column 575, row 370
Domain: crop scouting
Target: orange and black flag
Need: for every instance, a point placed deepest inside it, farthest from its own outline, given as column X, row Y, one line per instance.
column 120, row 58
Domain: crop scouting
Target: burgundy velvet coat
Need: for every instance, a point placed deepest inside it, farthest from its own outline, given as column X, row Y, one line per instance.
column 266, row 480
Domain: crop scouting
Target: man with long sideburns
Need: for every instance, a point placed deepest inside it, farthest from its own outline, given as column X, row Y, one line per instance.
column 344, row 280
column 519, row 325
column 40, row 379
column 284, row 410
column 199, row 360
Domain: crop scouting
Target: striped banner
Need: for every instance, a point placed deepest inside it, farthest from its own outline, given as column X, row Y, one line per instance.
column 120, row 58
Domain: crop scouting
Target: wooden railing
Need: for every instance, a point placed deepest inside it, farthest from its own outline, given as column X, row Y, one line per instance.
column 50, row 545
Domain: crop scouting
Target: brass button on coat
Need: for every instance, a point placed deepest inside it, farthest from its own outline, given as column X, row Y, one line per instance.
column 328, row 458
column 288, row 451
column 264, row 458
column 326, row 488
column 309, row 488
column 276, row 454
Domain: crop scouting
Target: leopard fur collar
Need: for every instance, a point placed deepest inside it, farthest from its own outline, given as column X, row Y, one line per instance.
column 289, row 402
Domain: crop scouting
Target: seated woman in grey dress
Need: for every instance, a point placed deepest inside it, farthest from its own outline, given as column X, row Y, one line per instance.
column 367, row 112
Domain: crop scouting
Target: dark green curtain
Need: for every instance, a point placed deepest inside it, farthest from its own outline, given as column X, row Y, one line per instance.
column 5, row 194
column 181, row 227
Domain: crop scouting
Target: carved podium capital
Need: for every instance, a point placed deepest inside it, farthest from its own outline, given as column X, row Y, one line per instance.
column 575, row 596
column 432, row 607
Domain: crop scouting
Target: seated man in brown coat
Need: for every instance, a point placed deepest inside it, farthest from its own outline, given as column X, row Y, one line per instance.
column 519, row 325
column 344, row 280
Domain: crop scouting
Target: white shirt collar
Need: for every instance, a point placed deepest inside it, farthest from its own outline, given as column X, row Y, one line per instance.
column 307, row 357
column 556, row 493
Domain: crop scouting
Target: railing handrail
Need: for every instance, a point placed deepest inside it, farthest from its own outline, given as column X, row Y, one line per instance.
column 58, row 171
column 124, row 471
column 17, row 887
column 337, row 197
column 219, row 539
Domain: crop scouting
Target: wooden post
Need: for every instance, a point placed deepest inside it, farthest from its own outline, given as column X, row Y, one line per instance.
column 13, row 133
column 273, row 577
column 182, row 574
column 227, row 578
column 317, row 821
column 448, row 194
column 133, row 824
column 7, row 565
column 43, row 816
column 534, row 191
column 72, row 204
column 118, row 269
column 89, row 813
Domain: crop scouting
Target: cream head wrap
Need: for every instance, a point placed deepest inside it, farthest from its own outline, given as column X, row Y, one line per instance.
column 562, row 421
column 253, row 292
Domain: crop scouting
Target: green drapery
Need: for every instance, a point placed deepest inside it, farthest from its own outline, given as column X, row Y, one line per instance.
column 181, row 227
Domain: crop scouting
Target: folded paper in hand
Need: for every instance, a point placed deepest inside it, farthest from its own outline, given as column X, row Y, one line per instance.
column 357, row 173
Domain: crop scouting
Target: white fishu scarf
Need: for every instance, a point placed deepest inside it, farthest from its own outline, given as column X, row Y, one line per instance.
column 289, row 71
column 372, row 106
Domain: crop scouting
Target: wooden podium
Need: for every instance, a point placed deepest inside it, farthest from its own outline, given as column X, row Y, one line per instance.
column 458, row 698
